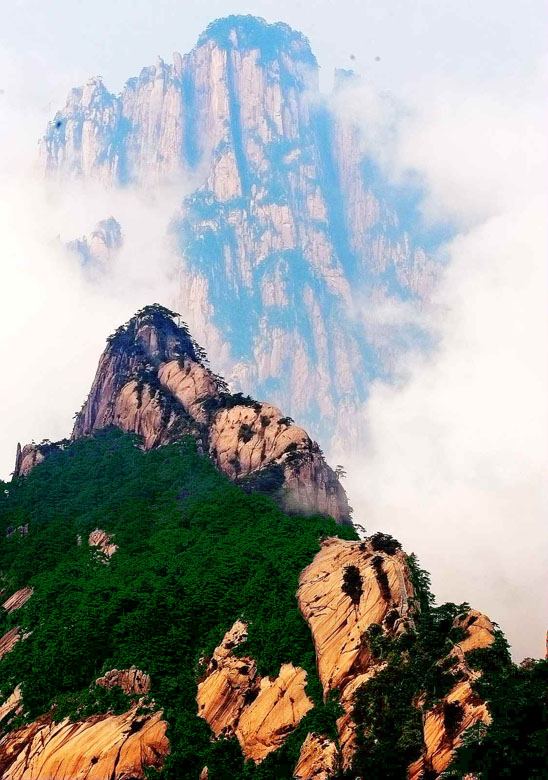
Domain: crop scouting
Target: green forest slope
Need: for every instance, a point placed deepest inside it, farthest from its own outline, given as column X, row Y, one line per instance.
column 195, row 553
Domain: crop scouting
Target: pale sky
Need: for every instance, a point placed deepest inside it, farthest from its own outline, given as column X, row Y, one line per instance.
column 65, row 41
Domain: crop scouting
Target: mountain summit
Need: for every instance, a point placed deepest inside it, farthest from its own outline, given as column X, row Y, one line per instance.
column 153, row 380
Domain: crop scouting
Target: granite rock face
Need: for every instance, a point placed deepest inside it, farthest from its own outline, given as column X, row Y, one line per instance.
column 30, row 455
column 98, row 747
column 443, row 735
column 318, row 759
column 236, row 702
column 288, row 229
column 338, row 619
column 17, row 600
column 153, row 380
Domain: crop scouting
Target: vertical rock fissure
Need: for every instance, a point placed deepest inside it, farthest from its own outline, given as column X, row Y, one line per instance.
column 235, row 123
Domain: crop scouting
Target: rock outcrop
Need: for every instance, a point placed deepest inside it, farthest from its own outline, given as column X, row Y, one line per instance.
column 29, row 456
column 318, row 759
column 152, row 380
column 9, row 640
column 236, row 702
column 17, row 599
column 101, row 746
column 103, row 541
column 11, row 707
column 289, row 228
column 348, row 587
column 132, row 681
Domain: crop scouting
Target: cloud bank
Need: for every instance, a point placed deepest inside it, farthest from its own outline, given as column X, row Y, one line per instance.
column 456, row 453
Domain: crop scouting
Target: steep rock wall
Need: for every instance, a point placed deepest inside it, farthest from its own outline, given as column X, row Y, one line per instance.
column 338, row 619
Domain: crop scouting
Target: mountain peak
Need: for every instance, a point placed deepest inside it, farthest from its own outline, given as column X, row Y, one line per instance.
column 246, row 32
column 153, row 380
column 153, row 335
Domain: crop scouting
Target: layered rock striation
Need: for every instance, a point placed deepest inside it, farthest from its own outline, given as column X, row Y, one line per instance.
column 153, row 380
column 288, row 231
column 348, row 587
column 237, row 702
column 101, row 746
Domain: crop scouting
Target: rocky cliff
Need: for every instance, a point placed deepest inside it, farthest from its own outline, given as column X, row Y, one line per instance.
column 236, row 701
column 288, row 231
column 153, row 380
column 348, row 588
column 339, row 617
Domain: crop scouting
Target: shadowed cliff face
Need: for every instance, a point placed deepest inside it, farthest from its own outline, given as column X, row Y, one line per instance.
column 152, row 380
column 288, row 230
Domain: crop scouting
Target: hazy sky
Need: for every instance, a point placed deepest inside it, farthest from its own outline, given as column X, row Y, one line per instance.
column 65, row 41
column 456, row 460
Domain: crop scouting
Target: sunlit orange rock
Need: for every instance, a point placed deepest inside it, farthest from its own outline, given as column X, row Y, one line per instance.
column 236, row 701
column 12, row 705
column 338, row 621
column 444, row 725
column 17, row 599
column 318, row 759
column 101, row 747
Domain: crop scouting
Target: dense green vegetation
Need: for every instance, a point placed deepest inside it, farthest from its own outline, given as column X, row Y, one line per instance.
column 195, row 553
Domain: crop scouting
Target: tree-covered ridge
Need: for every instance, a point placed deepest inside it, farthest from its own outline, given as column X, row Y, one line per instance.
column 194, row 553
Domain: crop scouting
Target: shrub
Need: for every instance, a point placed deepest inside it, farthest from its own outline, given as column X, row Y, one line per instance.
column 385, row 543
column 352, row 583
